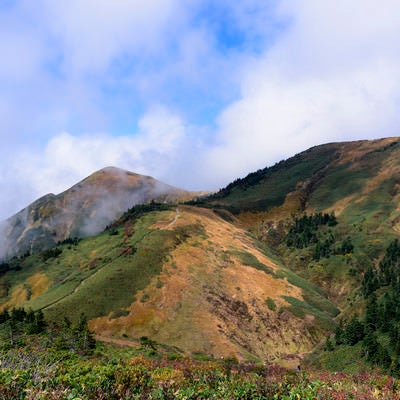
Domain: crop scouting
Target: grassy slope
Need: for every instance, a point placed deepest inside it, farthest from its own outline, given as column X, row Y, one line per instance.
column 267, row 188
column 212, row 295
column 206, row 284
column 84, row 209
column 99, row 274
column 360, row 182
column 186, row 278
column 323, row 174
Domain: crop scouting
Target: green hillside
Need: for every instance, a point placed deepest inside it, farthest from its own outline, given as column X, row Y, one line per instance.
column 358, row 181
column 83, row 210
column 320, row 177
column 358, row 184
column 116, row 264
column 265, row 270
column 269, row 187
column 183, row 277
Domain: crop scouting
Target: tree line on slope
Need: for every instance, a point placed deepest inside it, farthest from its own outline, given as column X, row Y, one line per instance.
column 378, row 329
column 305, row 232
column 18, row 324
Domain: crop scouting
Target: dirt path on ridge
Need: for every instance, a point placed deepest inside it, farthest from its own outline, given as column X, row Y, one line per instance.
column 82, row 282
column 174, row 220
column 120, row 342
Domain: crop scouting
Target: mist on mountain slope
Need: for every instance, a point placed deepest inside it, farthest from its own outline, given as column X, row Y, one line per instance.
column 83, row 210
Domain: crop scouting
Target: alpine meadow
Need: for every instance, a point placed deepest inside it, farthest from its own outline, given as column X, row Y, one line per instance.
column 282, row 285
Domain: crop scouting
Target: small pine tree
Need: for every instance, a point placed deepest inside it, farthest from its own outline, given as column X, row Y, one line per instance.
column 329, row 344
column 395, row 369
column 84, row 338
column 4, row 316
column 35, row 322
column 372, row 314
column 30, row 316
column 369, row 282
column 354, row 332
column 383, row 357
column 316, row 255
column 347, row 246
column 370, row 346
column 339, row 334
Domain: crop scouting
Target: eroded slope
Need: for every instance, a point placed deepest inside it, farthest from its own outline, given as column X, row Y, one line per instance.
column 219, row 294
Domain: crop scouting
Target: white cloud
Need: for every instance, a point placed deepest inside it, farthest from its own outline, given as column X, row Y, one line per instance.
column 21, row 56
column 21, row 48
column 93, row 33
column 78, row 66
column 334, row 75
column 150, row 151
column 67, row 159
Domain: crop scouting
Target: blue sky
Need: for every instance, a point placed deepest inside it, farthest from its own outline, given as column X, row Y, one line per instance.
column 195, row 93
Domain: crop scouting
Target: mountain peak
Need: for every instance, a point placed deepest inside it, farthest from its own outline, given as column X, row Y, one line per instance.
column 83, row 210
column 111, row 170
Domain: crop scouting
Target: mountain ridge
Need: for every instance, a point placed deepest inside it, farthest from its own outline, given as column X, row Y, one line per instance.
column 185, row 278
column 300, row 174
column 259, row 270
column 84, row 209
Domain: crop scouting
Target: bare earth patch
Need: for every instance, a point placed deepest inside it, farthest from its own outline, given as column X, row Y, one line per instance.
column 205, row 299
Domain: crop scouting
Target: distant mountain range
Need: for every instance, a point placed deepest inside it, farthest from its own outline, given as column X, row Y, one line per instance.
column 262, row 270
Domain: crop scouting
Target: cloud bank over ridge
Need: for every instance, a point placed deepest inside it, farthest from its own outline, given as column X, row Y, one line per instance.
column 193, row 93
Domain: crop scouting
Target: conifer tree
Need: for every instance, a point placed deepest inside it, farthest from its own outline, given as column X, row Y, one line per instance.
column 354, row 331
column 372, row 316
column 369, row 282
column 84, row 338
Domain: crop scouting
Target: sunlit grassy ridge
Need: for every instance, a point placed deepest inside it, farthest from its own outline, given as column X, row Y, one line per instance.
column 207, row 290
column 321, row 176
column 184, row 277
column 99, row 274
column 360, row 183
column 268, row 187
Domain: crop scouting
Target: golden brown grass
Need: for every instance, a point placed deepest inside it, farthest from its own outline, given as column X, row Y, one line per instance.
column 39, row 283
column 205, row 300
column 18, row 296
column 32, row 288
